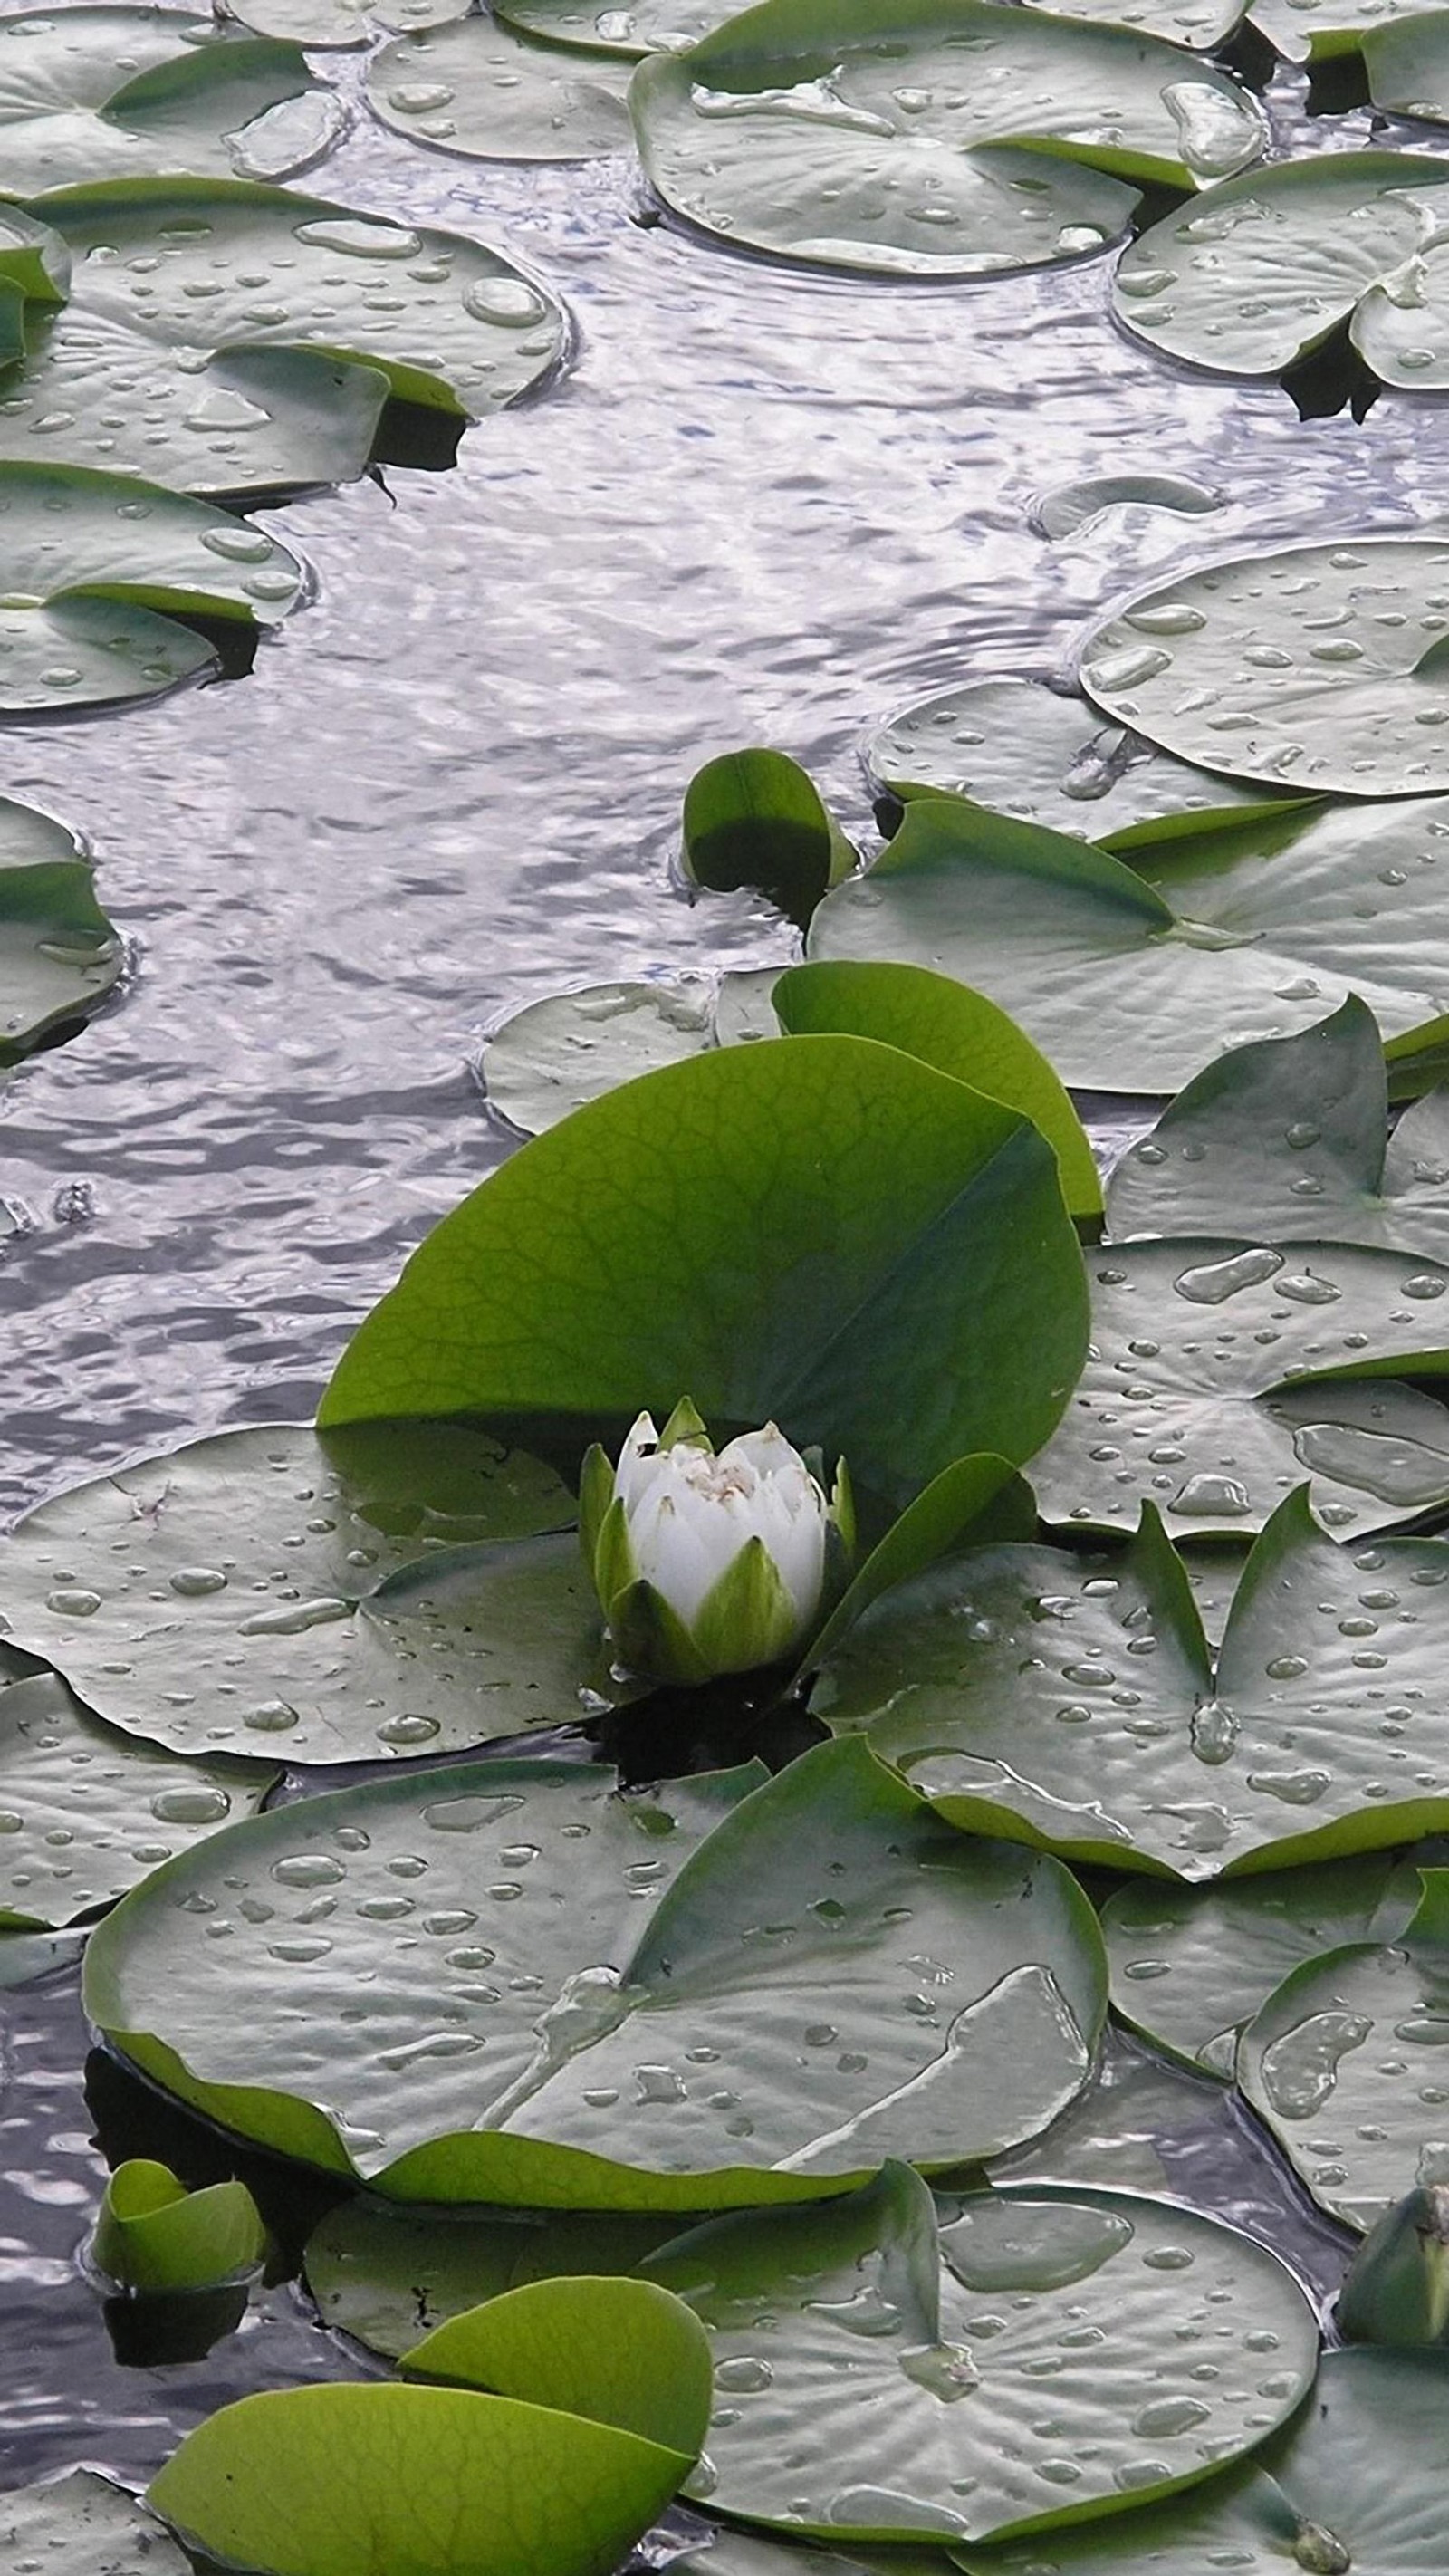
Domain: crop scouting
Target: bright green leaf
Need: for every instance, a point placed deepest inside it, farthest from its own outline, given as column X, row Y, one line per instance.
column 615, row 2352
column 153, row 2235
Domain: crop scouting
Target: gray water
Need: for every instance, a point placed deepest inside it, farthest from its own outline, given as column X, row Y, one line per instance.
column 758, row 506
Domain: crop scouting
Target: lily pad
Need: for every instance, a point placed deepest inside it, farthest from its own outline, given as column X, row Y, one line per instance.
column 85, row 1813
column 343, row 22
column 81, row 2525
column 880, row 2363
column 480, row 88
column 757, row 819
column 102, row 572
column 59, row 955
column 876, row 1258
column 1073, row 1701
column 1341, row 2064
column 614, row 2006
column 1218, row 1378
column 387, row 2276
column 643, row 27
column 613, row 2352
column 1406, row 57
column 154, row 2236
column 961, row 141
column 1290, row 1137
column 271, row 328
column 748, row 2553
column 1351, row 2482
column 1320, row 31
column 1198, row 24
column 553, row 1055
column 1312, row 666
column 95, row 93
column 270, row 1589
column 1069, row 509
column 1131, row 977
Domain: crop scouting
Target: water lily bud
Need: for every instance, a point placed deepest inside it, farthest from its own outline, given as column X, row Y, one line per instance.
column 1397, row 2290
column 707, row 1563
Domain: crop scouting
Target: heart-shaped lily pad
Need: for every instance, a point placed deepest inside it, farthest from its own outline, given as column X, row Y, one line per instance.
column 330, row 1599
column 1131, row 977
column 81, row 2525
column 641, row 27
column 1314, row 666
column 1353, row 2483
column 480, row 88
column 1343, row 2064
column 270, row 329
column 1220, row 1373
column 1024, row 2358
column 93, row 93
column 960, row 142
column 387, row 2276
column 85, row 1813
column 58, row 952
column 876, row 1257
column 1290, row 1137
column 612, row 2005
column 1073, row 1700
column 101, row 572
column 343, row 22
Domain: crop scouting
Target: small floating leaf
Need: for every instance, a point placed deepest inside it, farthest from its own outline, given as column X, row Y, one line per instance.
column 756, row 818
column 1397, row 2288
column 59, row 955
column 553, row 1055
column 153, row 2235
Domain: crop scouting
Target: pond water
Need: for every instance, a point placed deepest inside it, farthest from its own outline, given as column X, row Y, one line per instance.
column 759, row 506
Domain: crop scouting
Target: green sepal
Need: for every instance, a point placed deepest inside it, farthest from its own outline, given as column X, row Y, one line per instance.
column 1430, row 1926
column 615, row 1567
column 842, row 1507
column 685, row 1425
column 651, row 1638
column 596, row 1493
column 153, row 2235
column 1397, row 2289
column 747, row 1618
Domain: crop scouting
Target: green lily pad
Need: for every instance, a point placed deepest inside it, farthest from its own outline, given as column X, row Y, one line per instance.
column 757, row 819
column 676, row 2035
column 1290, row 1138
column 343, row 22
column 1198, row 24
column 102, row 572
column 480, row 88
column 1041, row 755
column 1131, row 977
column 1191, row 1966
column 961, row 141
column 387, row 2276
column 1311, row 666
column 81, row 2525
column 271, row 329
column 59, row 955
column 156, row 2237
column 880, row 2364
column 746, row 2553
column 25, row 1956
column 613, row 2352
column 643, row 27
column 85, row 1813
column 1221, row 1374
column 1319, row 31
column 1126, row 2131
column 267, row 1588
column 553, row 1055
column 876, row 1258
column 1354, row 2481
column 1406, row 57
column 1073, row 1700
column 1341, row 2064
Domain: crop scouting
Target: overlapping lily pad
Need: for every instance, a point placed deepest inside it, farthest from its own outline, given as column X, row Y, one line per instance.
column 101, row 573
column 1221, row 1373
column 1073, row 1700
column 1343, row 2063
column 505, row 1983
column 81, row 2524
column 641, row 27
column 961, row 141
column 108, row 92
column 1319, row 31
column 242, row 339
column 480, row 88
column 1320, row 667
column 380, row 1592
column 1406, row 57
column 549, row 1058
column 1015, row 2361
column 343, row 22
column 388, row 2276
column 1131, row 977
column 85, row 1813
column 58, row 952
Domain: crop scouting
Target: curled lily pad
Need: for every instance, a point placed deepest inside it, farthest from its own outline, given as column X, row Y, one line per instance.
column 1220, row 1374
column 85, row 1813
column 876, row 1258
column 641, row 27
column 270, row 328
column 153, row 2235
column 1396, row 2290
column 1073, row 1700
column 101, row 573
column 479, row 88
column 1312, row 666
column 756, row 818
column 879, row 2362
column 1342, row 2064
column 1069, row 508
column 59, row 955
column 268, row 1589
column 964, row 142
column 1406, row 57
column 343, row 22
column 388, row 2276
column 81, row 2525
column 553, row 1055
column 674, row 2036
column 1319, row 31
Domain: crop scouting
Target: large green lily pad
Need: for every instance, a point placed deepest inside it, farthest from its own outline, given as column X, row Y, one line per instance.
column 1073, row 1700
column 270, row 329
column 387, row 2276
column 1342, row 2062
column 1220, row 1374
column 85, row 1813
column 1131, row 977
column 1352, row 2482
column 59, row 955
column 480, row 88
column 612, row 2006
column 1022, row 2358
column 81, row 2525
column 101, row 572
column 875, row 1257
column 108, row 92
column 958, row 139
column 1313, row 666
column 364, row 1594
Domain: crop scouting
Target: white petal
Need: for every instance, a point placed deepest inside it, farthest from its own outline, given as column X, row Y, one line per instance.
column 672, row 1556
column 637, row 1460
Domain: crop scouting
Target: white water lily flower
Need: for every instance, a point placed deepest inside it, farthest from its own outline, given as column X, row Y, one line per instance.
column 706, row 1563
